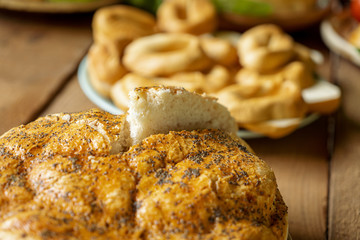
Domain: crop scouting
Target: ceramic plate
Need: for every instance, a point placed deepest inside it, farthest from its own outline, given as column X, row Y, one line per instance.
column 338, row 44
column 107, row 105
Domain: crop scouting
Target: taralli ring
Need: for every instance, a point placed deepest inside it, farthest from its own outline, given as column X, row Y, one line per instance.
column 120, row 90
column 195, row 81
column 120, row 24
column 187, row 16
column 257, row 84
column 221, row 51
column 104, row 68
column 164, row 54
column 265, row 48
column 191, row 81
column 285, row 102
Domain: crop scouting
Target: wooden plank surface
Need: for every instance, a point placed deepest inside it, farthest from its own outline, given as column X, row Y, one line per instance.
column 344, row 201
column 301, row 168
column 71, row 99
column 37, row 55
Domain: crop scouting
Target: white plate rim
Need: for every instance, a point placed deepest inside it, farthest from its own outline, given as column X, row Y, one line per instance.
column 107, row 105
column 102, row 102
column 337, row 43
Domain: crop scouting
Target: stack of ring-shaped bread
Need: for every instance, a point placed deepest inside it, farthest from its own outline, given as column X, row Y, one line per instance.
column 258, row 75
column 165, row 54
column 114, row 28
column 187, row 16
column 275, row 70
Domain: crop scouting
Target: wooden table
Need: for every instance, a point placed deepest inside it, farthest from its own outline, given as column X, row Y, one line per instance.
column 318, row 176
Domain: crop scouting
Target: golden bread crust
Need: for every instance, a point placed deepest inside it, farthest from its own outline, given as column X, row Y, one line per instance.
column 120, row 24
column 62, row 178
column 93, row 132
column 195, row 17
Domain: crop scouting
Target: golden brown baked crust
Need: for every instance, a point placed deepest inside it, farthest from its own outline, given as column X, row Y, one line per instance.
column 120, row 24
column 64, row 177
column 195, row 17
column 285, row 102
column 203, row 183
column 265, row 48
column 104, row 68
column 164, row 54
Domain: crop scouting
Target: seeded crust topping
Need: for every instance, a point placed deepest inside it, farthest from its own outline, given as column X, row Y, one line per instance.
column 65, row 177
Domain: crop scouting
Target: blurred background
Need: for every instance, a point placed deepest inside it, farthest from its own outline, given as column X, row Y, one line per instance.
column 46, row 45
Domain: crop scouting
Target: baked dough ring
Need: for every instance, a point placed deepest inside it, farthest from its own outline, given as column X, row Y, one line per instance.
column 120, row 90
column 299, row 73
column 303, row 54
column 274, row 128
column 104, row 68
column 217, row 78
column 265, row 48
column 219, row 50
column 119, row 24
column 285, row 102
column 187, row 16
column 192, row 82
column 164, row 54
column 255, row 84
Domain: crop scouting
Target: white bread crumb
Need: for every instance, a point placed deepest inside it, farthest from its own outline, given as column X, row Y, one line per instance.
column 162, row 109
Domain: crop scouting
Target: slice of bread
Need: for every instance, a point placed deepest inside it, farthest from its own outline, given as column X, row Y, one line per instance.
column 154, row 110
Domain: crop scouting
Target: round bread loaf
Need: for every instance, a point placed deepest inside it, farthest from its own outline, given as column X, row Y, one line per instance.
column 78, row 176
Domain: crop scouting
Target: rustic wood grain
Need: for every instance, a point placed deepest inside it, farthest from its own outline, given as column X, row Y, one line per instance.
column 344, row 201
column 301, row 168
column 38, row 53
column 71, row 99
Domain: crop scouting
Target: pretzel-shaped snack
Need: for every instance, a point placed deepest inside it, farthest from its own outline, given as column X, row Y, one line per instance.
column 265, row 48
column 118, row 25
column 187, row 16
column 221, row 51
column 258, row 84
column 193, row 82
column 104, row 68
column 284, row 102
column 164, row 54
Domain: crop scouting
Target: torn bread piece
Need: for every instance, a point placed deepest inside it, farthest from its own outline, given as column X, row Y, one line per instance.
column 161, row 109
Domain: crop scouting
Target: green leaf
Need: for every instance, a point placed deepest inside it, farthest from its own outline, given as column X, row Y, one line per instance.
column 244, row 7
column 147, row 5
